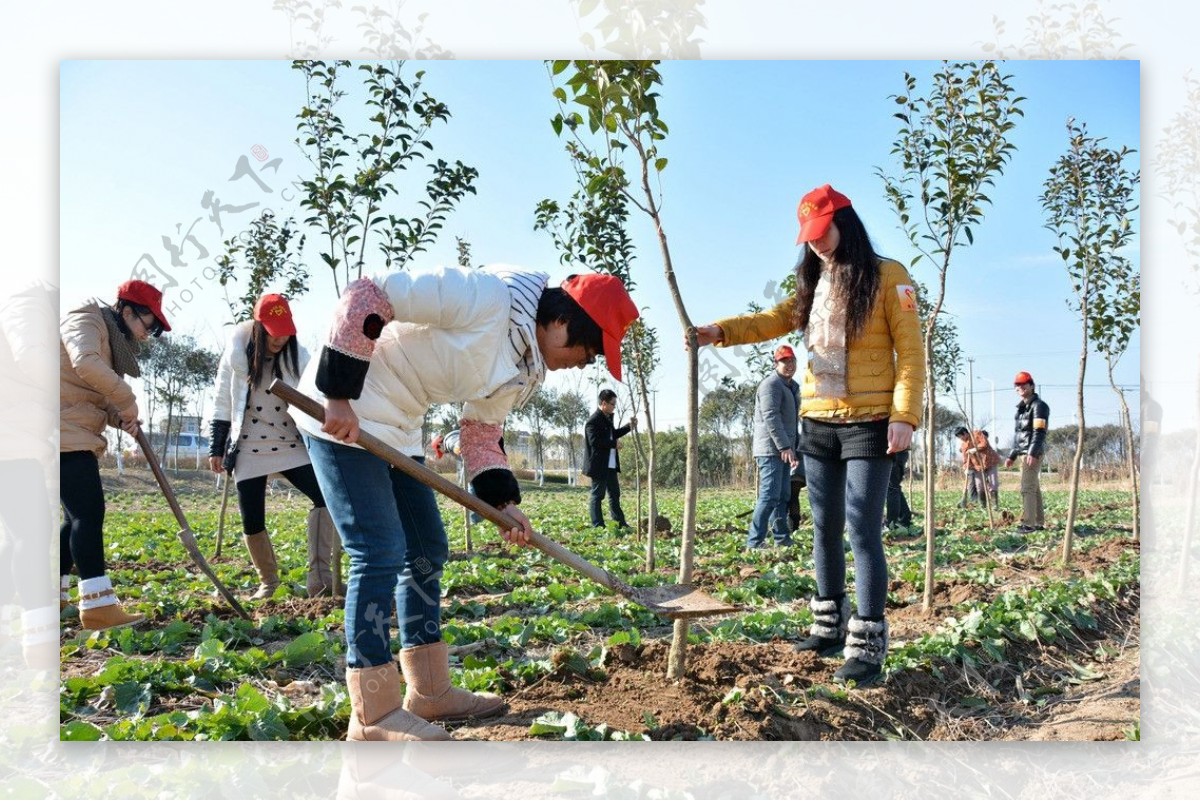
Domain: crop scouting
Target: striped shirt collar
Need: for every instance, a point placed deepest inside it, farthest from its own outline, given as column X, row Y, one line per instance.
column 525, row 288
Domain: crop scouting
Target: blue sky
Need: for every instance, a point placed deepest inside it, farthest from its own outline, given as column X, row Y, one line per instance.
column 142, row 142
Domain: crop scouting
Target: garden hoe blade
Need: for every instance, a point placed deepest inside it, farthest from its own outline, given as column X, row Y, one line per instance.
column 671, row 601
column 185, row 532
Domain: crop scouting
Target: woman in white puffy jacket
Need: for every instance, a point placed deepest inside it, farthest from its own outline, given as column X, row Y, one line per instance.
column 254, row 436
column 399, row 343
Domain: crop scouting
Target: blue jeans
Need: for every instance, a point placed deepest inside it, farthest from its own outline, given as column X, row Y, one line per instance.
column 771, row 510
column 391, row 529
column 849, row 492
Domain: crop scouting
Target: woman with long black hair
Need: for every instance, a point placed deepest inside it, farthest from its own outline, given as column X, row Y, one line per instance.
column 253, row 436
column 860, row 402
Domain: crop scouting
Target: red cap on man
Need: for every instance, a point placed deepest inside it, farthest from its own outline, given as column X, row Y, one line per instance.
column 143, row 294
column 1022, row 378
column 607, row 301
column 784, row 352
column 815, row 212
column 273, row 312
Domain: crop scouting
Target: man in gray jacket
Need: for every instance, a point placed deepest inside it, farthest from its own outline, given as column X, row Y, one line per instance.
column 776, row 438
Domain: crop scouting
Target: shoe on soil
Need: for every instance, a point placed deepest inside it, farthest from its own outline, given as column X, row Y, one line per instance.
column 321, row 536
column 376, row 708
column 866, row 649
column 824, row 646
column 262, row 555
column 827, row 634
column 99, row 607
column 429, row 694
column 111, row 616
column 863, row 674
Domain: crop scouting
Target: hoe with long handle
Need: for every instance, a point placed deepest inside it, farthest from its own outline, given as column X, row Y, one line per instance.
column 671, row 600
column 185, row 532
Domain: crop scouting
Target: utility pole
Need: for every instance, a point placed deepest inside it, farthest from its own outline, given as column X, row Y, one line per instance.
column 971, row 396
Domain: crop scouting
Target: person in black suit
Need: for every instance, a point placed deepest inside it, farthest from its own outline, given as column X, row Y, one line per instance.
column 602, row 462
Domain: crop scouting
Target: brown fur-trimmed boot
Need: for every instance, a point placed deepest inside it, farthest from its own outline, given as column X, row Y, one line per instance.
column 377, row 710
column 429, row 693
column 262, row 554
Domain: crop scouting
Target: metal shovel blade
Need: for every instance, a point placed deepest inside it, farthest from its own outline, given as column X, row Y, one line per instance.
column 671, row 600
column 678, row 600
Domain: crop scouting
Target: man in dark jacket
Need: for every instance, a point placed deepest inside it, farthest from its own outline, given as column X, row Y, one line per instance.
column 776, row 439
column 602, row 463
column 1029, row 440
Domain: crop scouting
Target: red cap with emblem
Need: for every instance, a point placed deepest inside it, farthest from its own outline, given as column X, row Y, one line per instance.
column 275, row 315
column 815, row 212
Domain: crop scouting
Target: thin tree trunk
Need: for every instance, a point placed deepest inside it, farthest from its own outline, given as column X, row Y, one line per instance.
column 930, row 471
column 931, row 429
column 651, row 500
column 1077, row 460
column 1135, row 481
column 639, row 460
column 677, row 658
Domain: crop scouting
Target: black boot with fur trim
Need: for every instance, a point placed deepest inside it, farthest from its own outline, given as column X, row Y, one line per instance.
column 827, row 634
column 866, row 648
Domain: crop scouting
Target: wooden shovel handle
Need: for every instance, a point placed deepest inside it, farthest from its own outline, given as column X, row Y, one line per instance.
column 435, row 481
column 185, row 532
column 161, row 477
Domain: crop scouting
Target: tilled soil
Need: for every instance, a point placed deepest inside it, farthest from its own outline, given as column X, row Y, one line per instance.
column 785, row 695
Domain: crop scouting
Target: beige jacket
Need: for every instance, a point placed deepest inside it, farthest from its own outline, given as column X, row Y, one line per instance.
column 91, row 394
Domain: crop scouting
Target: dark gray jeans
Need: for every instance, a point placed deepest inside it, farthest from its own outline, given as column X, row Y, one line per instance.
column 847, row 495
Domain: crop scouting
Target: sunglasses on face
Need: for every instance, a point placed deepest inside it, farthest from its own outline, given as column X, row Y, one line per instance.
column 153, row 326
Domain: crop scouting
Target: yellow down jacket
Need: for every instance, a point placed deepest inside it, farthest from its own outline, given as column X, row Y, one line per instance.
column 885, row 371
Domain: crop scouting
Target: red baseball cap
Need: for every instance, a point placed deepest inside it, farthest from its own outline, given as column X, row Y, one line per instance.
column 275, row 315
column 815, row 212
column 1022, row 378
column 607, row 301
column 144, row 294
column 784, row 352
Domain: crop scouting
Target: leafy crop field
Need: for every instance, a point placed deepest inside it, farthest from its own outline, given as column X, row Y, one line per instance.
column 1016, row 646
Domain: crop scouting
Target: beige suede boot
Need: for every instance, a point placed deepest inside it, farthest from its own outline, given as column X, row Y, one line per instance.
column 377, row 711
column 321, row 537
column 262, row 554
column 429, row 693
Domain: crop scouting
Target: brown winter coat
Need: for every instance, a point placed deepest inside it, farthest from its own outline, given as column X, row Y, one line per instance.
column 91, row 394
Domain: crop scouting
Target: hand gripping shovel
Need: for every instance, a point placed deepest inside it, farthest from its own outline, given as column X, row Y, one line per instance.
column 185, row 533
column 671, row 600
